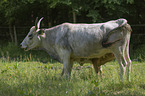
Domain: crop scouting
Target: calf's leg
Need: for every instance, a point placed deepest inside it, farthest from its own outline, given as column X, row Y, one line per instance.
column 96, row 64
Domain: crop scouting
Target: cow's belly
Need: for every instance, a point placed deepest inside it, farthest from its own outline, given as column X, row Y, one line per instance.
column 82, row 58
column 103, row 59
column 90, row 54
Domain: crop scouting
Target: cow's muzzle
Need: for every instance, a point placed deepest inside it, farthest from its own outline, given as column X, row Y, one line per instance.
column 24, row 47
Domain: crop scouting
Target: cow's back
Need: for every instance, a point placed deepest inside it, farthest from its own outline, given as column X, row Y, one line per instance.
column 85, row 39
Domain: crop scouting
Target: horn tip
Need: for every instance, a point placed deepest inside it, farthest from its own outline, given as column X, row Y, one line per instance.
column 42, row 17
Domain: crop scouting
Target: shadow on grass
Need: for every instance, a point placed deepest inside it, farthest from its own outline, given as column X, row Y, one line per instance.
column 119, row 86
column 7, row 90
column 117, row 89
column 50, row 86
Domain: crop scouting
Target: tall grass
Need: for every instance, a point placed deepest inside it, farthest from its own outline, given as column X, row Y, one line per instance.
column 26, row 74
column 12, row 52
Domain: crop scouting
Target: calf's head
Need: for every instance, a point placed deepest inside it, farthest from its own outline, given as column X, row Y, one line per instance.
column 32, row 40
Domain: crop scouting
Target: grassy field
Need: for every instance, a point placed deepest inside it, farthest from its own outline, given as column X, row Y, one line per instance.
column 34, row 78
column 33, row 73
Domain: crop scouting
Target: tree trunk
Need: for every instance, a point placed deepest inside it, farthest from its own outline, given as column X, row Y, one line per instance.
column 15, row 35
column 11, row 34
column 74, row 17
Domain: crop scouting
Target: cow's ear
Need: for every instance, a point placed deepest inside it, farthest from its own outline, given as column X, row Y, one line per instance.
column 40, row 32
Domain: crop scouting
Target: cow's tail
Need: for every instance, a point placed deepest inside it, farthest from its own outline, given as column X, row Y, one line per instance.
column 124, row 28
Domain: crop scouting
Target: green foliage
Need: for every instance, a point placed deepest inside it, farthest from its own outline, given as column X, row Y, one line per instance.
column 139, row 53
column 15, row 11
column 94, row 14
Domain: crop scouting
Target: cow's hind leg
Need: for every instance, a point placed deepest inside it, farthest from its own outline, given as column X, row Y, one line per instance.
column 120, row 56
column 128, row 69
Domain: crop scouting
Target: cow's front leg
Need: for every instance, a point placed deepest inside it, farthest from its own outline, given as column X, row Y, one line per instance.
column 67, row 67
column 70, row 69
column 67, row 64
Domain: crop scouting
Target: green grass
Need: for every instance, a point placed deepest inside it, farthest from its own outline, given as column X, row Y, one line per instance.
column 33, row 78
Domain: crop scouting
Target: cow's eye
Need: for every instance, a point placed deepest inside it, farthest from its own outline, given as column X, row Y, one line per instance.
column 30, row 36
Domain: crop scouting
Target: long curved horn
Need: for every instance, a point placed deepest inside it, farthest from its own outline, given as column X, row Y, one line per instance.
column 38, row 24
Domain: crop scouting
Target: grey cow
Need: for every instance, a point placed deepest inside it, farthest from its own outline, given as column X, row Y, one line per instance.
column 95, row 43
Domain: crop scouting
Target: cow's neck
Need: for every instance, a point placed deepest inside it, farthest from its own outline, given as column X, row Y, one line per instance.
column 48, row 45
